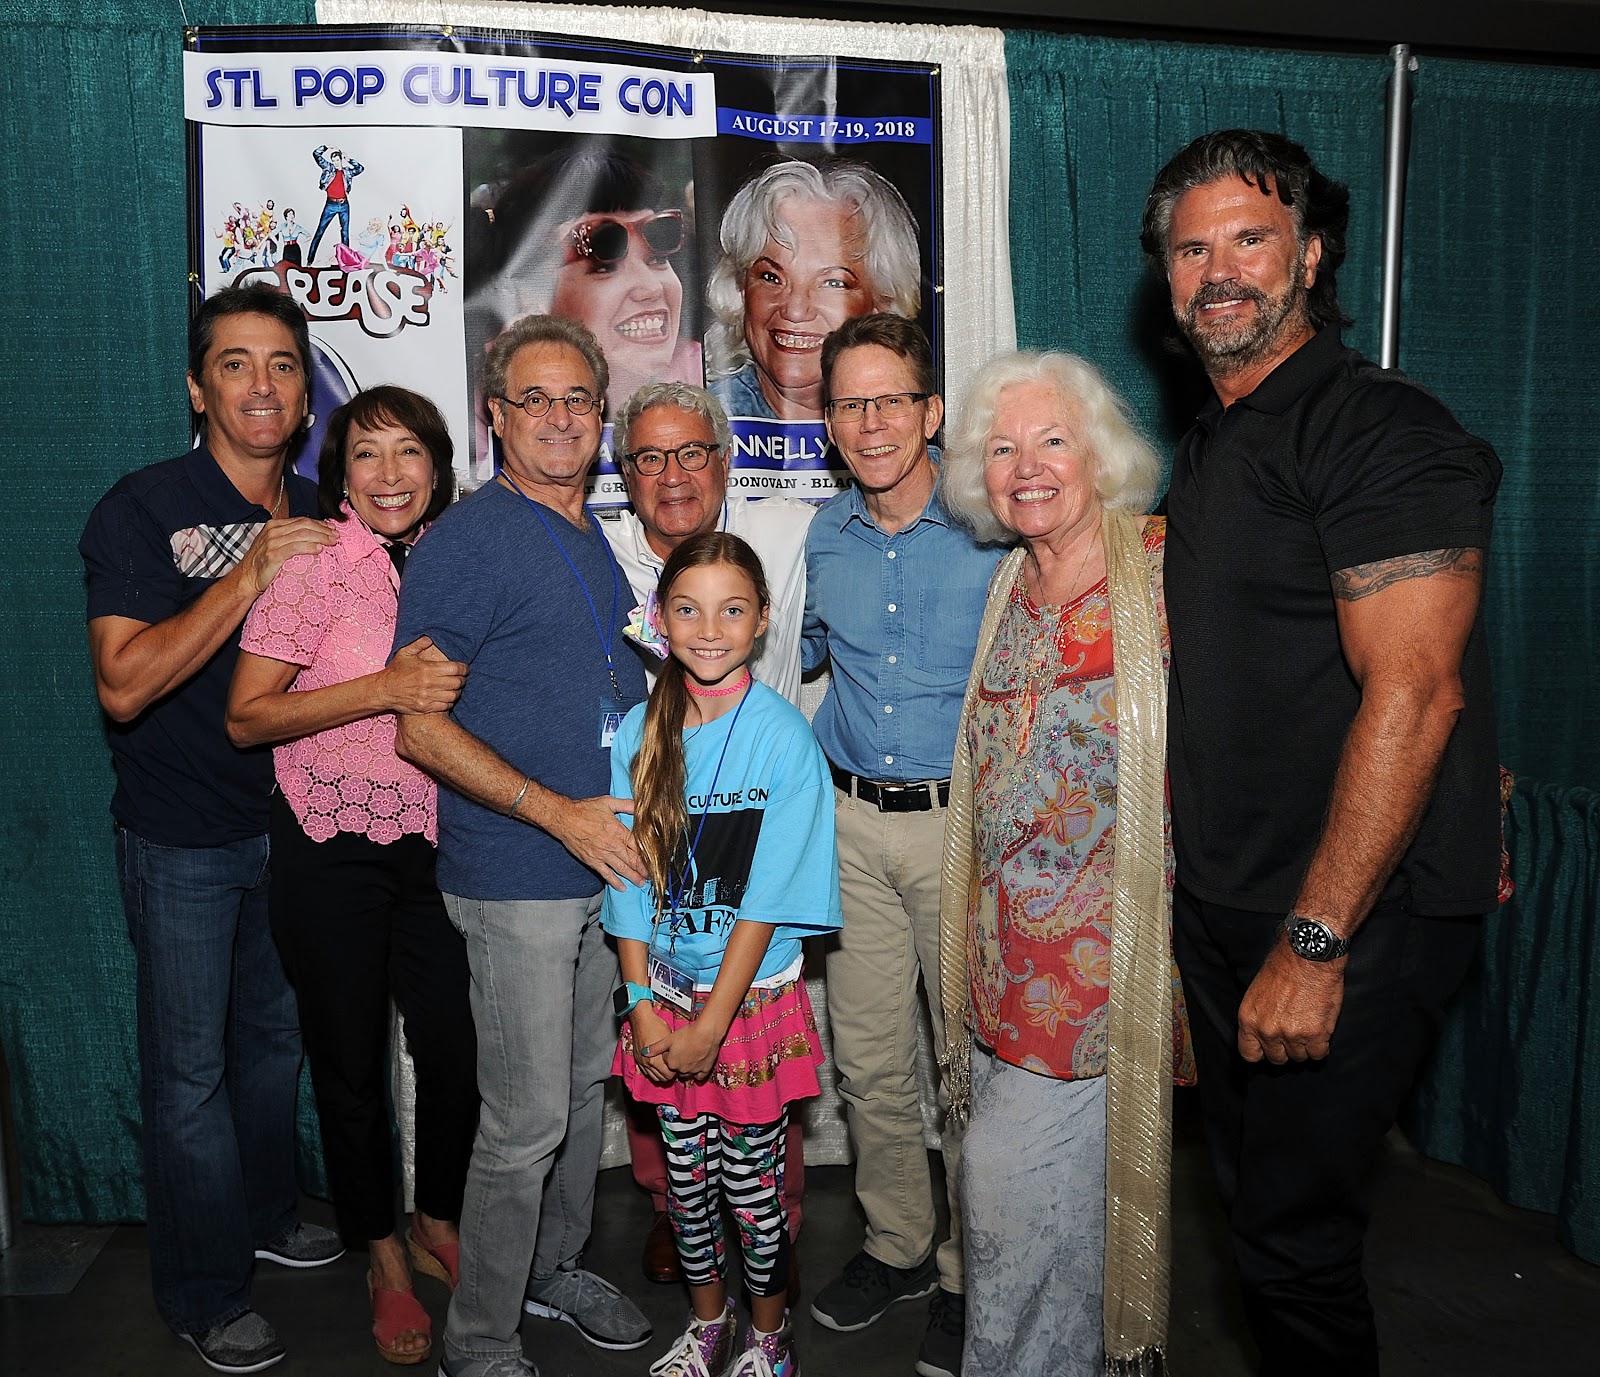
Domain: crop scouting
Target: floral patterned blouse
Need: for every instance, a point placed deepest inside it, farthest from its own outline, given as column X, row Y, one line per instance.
column 1043, row 737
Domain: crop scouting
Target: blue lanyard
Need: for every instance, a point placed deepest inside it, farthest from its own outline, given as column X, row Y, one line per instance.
column 674, row 907
column 607, row 638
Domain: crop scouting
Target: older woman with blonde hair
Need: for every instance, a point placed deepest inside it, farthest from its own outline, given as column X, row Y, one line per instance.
column 1065, row 1016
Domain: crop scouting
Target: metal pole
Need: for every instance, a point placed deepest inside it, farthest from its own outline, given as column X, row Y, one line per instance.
column 1396, row 151
column 5, row 1190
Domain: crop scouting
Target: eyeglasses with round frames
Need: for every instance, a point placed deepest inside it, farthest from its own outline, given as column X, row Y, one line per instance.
column 852, row 411
column 607, row 241
column 691, row 458
column 535, row 404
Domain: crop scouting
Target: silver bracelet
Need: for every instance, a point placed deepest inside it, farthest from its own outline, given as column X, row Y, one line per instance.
column 518, row 799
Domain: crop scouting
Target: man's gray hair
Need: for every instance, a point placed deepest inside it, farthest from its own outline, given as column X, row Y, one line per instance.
column 543, row 330
column 892, row 262
column 686, row 397
column 1125, row 467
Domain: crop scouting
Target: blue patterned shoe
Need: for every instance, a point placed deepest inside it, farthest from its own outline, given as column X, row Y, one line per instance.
column 704, row 1349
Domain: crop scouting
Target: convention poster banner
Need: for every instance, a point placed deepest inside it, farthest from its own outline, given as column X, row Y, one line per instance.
column 710, row 216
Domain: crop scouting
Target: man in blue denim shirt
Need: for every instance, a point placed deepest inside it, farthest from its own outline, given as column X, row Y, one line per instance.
column 895, row 592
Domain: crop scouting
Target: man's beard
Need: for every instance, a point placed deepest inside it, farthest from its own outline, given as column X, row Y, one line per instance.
column 1227, row 348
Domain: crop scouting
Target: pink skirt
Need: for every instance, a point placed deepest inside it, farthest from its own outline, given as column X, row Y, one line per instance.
column 768, row 1059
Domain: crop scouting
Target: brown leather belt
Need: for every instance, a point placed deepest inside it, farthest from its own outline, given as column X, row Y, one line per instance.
column 915, row 797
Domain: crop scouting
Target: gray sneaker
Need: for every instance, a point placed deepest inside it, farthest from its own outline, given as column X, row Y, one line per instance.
column 592, row 1306
column 245, row 1344
column 303, row 1245
column 512, row 1366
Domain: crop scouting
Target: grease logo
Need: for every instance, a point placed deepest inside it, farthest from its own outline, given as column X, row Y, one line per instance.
column 362, row 261
column 383, row 301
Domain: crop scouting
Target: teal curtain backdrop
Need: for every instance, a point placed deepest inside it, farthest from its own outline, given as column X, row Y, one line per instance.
column 91, row 386
column 1092, row 122
column 1510, row 1090
column 1501, row 316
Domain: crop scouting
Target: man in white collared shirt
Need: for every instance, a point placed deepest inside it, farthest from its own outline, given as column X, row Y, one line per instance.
column 673, row 445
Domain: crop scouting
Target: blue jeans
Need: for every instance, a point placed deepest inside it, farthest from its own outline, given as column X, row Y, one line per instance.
column 331, row 210
column 542, row 976
column 219, row 1057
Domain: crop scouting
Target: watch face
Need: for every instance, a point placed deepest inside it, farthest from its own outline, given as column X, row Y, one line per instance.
column 1310, row 939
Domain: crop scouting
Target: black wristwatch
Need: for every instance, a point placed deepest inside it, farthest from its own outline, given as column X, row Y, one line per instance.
column 1313, row 940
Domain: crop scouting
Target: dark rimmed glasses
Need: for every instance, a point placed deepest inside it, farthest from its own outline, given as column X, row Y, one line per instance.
column 691, row 458
column 606, row 241
column 535, row 404
column 852, row 411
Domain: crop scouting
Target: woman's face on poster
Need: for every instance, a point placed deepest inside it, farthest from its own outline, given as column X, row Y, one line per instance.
column 616, row 276
column 795, row 297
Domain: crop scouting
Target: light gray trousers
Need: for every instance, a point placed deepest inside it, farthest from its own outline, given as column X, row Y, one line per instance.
column 1033, row 1200
column 542, row 977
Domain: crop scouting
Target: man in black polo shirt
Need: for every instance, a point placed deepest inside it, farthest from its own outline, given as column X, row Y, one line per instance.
column 175, row 554
column 1333, row 764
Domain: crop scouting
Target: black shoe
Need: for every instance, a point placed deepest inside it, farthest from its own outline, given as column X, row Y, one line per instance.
column 303, row 1245
column 247, row 1343
column 940, row 1354
column 868, row 1288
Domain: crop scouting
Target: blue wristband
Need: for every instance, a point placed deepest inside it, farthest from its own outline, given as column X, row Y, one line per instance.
column 626, row 995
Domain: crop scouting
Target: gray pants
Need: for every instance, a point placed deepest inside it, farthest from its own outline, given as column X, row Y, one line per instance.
column 1033, row 1199
column 542, row 977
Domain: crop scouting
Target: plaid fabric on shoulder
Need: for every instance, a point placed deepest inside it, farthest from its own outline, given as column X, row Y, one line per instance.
column 209, row 552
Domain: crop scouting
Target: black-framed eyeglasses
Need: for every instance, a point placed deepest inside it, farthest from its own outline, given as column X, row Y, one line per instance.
column 852, row 411
column 691, row 458
column 535, row 404
column 606, row 241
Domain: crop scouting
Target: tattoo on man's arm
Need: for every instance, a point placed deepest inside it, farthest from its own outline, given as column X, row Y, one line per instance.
column 1362, row 580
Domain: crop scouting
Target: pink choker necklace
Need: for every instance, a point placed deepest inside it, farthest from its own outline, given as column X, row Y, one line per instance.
column 698, row 692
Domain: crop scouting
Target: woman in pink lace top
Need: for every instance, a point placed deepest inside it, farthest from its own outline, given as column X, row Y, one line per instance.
column 355, row 911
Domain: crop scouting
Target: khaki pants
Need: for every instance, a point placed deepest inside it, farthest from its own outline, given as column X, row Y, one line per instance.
column 889, row 888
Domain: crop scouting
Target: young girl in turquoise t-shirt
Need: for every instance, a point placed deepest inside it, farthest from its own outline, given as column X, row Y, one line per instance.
column 733, row 815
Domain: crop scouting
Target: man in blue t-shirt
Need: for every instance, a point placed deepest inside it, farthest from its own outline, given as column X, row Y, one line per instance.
column 895, row 591
column 517, row 582
column 174, row 555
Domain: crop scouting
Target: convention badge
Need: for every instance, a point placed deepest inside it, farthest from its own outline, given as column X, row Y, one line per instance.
column 611, row 714
column 671, row 982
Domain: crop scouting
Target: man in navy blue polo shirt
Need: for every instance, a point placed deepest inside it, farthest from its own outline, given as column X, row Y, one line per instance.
column 894, row 595
column 175, row 554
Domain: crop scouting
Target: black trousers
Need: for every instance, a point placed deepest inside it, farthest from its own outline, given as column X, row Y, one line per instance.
column 357, row 922
column 1294, row 1147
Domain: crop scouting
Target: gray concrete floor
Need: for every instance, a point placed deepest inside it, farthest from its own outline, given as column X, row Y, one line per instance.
column 1464, row 1285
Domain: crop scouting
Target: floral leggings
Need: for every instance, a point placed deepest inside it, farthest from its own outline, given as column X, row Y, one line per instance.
column 709, row 1161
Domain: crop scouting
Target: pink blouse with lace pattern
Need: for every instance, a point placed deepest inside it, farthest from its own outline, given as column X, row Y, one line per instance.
column 333, row 613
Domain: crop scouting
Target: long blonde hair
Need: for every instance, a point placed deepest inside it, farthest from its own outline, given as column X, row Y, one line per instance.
column 660, row 810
